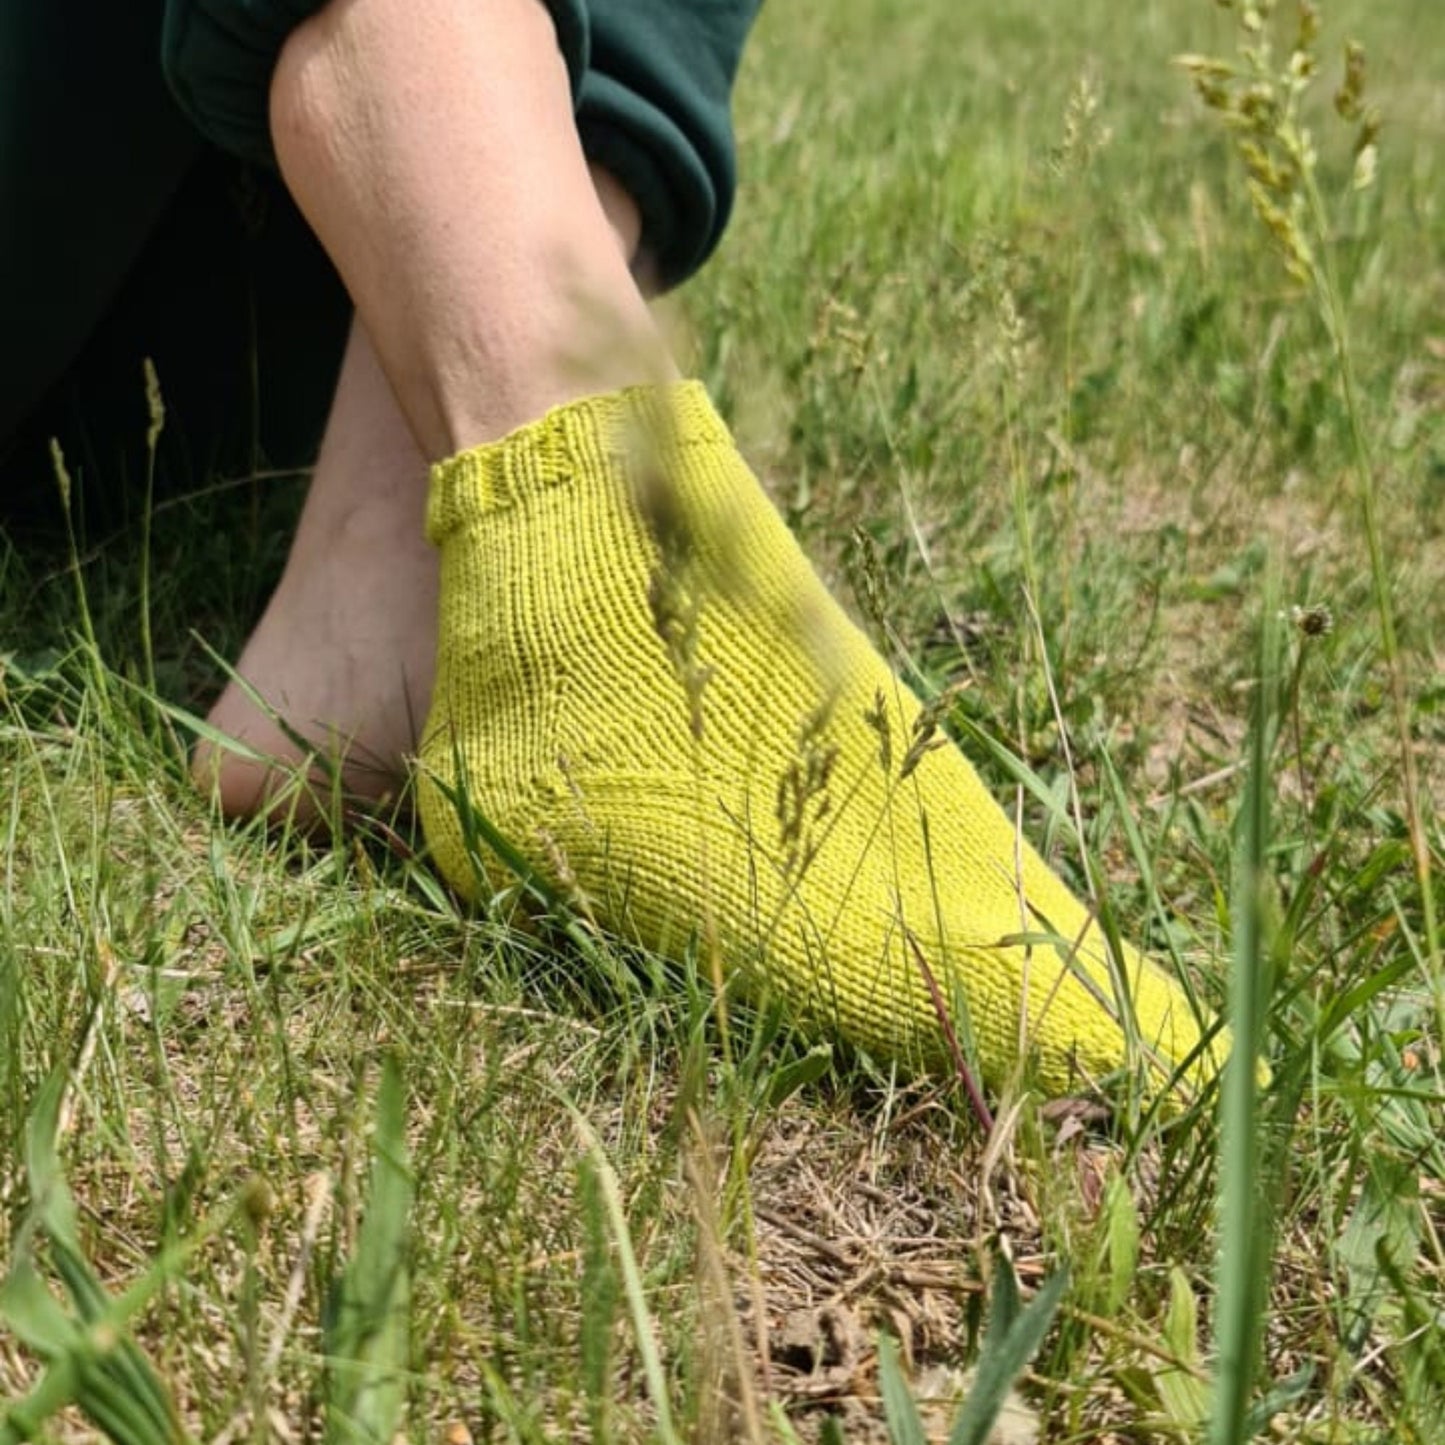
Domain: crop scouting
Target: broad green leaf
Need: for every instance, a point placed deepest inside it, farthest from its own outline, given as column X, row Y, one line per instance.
column 92, row 1362
column 1006, row 1354
column 1183, row 1394
column 905, row 1425
column 1122, row 1231
column 34, row 1314
column 1004, row 1302
column 797, row 1075
column 52, row 1207
column 1385, row 1222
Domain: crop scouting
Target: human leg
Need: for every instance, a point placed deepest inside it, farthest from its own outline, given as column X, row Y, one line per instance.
column 537, row 243
column 639, row 678
column 472, row 238
column 652, row 110
column 343, row 656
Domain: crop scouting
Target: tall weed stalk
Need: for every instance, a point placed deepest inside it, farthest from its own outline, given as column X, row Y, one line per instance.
column 1260, row 99
column 1246, row 1228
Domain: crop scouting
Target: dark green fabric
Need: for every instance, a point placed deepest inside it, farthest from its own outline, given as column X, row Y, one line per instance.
column 123, row 235
column 92, row 149
column 244, row 319
column 655, row 108
column 653, row 81
column 219, row 54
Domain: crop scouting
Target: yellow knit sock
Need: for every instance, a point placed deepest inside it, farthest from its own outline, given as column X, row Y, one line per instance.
column 655, row 700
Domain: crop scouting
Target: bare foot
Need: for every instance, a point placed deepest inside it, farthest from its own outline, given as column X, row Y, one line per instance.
column 343, row 656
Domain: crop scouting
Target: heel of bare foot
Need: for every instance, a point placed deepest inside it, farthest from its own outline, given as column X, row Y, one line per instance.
column 340, row 665
column 334, row 683
column 261, row 762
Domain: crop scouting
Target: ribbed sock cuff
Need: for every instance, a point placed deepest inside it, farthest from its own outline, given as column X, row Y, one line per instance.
column 584, row 441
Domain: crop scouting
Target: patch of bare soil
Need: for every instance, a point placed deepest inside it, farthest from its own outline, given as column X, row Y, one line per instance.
column 860, row 1234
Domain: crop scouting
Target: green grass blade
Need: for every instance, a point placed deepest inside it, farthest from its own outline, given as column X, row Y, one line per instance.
column 119, row 1364
column 1005, row 1303
column 25, row 1419
column 109, row 1400
column 28, row 1308
column 1006, row 1354
column 905, row 1424
column 368, row 1332
column 642, row 1325
column 98, row 1368
column 1243, row 1264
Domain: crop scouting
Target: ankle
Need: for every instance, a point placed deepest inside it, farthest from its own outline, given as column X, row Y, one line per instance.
column 462, row 215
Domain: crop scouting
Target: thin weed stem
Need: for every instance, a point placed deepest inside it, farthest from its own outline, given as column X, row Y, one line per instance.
column 1332, row 308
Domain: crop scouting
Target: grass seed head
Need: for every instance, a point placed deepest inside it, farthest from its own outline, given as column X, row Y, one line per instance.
column 672, row 595
column 870, row 585
column 926, row 724
column 1350, row 97
column 62, row 472
column 803, row 798
column 1261, row 101
column 1009, row 348
column 155, row 405
column 1085, row 135
column 878, row 720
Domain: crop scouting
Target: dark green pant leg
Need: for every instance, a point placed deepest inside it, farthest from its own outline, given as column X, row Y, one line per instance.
column 655, row 108
column 92, row 148
column 653, row 82
column 241, row 312
column 219, row 55
column 123, row 236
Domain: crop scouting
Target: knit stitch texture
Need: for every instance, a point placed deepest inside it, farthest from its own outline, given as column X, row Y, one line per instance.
column 653, row 697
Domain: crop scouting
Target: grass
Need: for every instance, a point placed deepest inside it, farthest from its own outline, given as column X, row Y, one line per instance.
column 995, row 302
